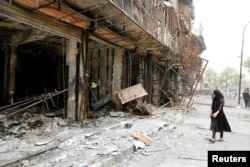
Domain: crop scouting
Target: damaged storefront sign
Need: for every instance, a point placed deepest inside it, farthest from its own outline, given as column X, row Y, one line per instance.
column 131, row 96
column 134, row 93
column 131, row 93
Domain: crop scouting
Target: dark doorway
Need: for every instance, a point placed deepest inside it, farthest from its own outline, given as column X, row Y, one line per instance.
column 2, row 77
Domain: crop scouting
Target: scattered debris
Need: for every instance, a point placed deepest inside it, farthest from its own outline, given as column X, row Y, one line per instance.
column 40, row 143
column 132, row 96
column 139, row 108
column 107, row 150
column 19, row 128
column 116, row 114
column 146, row 139
column 144, row 108
column 145, row 153
column 128, row 125
column 35, row 124
column 138, row 144
column 25, row 104
column 60, row 159
column 102, row 102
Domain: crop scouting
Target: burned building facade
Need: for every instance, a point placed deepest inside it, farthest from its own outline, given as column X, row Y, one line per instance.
column 76, row 52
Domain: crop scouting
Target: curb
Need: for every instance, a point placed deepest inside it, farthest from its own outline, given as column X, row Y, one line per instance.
column 113, row 159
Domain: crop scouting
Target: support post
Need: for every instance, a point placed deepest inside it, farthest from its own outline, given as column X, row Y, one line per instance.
column 241, row 58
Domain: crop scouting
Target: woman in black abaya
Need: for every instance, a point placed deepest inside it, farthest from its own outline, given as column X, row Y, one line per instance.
column 219, row 121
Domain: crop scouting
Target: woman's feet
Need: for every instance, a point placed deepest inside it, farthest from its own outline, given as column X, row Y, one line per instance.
column 212, row 140
column 221, row 139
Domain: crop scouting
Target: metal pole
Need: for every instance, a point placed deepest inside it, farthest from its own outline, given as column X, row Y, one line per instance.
column 227, row 85
column 227, row 80
column 242, row 44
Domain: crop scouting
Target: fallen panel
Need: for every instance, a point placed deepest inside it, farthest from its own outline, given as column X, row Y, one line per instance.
column 131, row 93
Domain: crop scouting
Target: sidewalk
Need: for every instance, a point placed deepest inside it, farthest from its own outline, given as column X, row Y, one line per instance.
column 108, row 140
column 187, row 144
column 229, row 102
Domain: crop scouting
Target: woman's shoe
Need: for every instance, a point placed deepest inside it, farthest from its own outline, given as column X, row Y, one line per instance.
column 212, row 140
column 221, row 139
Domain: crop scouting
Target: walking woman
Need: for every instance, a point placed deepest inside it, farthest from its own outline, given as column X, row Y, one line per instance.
column 219, row 121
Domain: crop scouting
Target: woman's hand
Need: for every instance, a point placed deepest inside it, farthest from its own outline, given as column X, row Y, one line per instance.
column 214, row 115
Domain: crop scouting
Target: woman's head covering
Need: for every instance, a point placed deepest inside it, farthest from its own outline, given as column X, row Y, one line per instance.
column 218, row 98
column 218, row 94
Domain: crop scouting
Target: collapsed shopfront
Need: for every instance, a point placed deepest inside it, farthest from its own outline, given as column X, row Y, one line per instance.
column 67, row 55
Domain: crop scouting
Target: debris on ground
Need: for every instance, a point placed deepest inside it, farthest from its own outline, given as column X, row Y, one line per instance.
column 146, row 139
column 106, row 100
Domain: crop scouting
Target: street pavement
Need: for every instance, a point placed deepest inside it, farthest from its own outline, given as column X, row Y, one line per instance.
column 188, row 144
column 178, row 140
column 183, row 139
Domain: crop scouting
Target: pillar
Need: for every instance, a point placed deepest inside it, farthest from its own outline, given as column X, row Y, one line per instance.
column 71, row 56
column 13, row 61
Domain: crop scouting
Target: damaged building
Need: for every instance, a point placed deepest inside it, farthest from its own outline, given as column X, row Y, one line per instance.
column 70, row 54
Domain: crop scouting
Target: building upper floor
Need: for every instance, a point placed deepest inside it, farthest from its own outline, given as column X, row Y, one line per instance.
column 154, row 26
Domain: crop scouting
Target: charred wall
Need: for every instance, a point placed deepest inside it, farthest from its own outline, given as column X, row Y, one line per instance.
column 2, row 76
column 37, row 71
column 100, row 72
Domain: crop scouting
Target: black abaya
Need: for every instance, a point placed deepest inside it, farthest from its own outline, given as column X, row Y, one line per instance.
column 220, row 123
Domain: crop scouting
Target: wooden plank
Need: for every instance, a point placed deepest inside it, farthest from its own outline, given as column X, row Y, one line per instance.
column 107, row 34
column 146, row 139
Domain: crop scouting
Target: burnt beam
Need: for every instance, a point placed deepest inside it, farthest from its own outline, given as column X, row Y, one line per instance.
column 33, row 19
column 27, row 36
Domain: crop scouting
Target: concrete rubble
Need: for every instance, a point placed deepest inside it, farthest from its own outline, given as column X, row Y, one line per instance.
column 173, row 139
column 98, row 142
